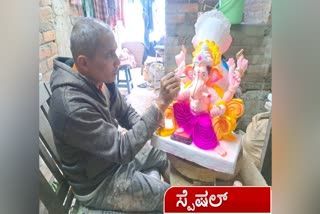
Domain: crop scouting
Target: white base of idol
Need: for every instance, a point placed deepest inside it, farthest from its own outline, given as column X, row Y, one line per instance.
column 206, row 158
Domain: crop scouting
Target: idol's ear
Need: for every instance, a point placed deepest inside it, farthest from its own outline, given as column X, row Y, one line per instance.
column 214, row 75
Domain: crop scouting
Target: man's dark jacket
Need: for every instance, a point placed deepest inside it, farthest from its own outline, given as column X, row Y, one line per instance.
column 85, row 127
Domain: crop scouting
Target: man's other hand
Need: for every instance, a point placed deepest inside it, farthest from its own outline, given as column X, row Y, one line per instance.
column 169, row 88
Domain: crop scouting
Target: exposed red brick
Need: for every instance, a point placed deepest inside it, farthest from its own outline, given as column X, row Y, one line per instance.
column 175, row 18
column 43, row 67
column 50, row 62
column 45, row 2
column 44, row 51
column 40, row 39
column 46, row 76
column 194, row 7
column 45, row 26
column 49, row 36
column 54, row 48
column 46, row 14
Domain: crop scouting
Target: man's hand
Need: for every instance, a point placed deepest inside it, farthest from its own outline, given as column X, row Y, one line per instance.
column 169, row 88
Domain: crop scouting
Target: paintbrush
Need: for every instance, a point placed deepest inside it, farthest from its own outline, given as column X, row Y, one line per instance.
column 240, row 53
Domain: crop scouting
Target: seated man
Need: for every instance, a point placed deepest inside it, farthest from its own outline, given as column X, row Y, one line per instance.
column 104, row 166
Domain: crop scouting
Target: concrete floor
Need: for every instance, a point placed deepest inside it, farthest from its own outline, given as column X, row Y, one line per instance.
column 139, row 98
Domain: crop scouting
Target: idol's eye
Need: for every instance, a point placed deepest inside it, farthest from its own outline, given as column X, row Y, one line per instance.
column 209, row 68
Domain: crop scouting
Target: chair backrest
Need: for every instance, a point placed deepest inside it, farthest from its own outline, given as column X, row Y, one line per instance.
column 137, row 50
column 58, row 201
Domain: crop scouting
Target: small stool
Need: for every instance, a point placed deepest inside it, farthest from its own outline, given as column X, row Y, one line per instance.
column 127, row 82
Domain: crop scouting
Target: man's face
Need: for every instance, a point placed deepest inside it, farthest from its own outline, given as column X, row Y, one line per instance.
column 103, row 66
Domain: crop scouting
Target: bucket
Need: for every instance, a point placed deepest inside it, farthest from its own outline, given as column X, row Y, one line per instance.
column 232, row 9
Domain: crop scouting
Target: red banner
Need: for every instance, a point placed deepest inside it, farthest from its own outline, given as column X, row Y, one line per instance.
column 218, row 199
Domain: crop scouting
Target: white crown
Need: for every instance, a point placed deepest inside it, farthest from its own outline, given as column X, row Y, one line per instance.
column 213, row 26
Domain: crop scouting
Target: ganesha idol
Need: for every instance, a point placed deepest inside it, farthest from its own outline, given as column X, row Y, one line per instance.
column 205, row 111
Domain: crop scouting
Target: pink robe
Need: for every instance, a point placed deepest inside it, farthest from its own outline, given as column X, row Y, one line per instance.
column 199, row 126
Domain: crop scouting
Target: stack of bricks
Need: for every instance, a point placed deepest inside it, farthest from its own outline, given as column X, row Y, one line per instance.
column 56, row 20
column 257, row 11
column 180, row 18
column 255, row 37
column 255, row 40
column 47, row 37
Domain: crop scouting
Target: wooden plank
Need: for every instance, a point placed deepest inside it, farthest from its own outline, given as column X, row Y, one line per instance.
column 51, row 164
column 45, row 108
column 63, row 188
column 43, row 94
column 69, row 199
column 47, row 85
column 44, row 169
column 49, row 198
column 53, row 200
column 42, row 208
column 62, row 191
column 47, row 136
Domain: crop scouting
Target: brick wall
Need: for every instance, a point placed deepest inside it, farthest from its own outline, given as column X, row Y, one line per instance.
column 47, row 37
column 256, row 42
column 180, row 18
column 56, row 19
column 257, row 11
column 255, row 39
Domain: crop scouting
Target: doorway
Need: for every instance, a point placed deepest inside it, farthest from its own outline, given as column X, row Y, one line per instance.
column 140, row 34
